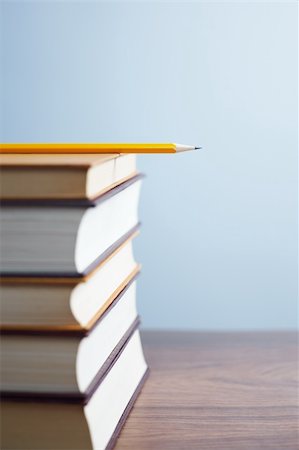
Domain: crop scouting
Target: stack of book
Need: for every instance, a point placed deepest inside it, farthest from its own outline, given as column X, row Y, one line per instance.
column 72, row 362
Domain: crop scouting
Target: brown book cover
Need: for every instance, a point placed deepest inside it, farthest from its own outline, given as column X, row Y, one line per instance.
column 16, row 330
column 71, row 202
column 62, row 176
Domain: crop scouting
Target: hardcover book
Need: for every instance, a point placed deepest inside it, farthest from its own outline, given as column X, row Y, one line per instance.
column 67, row 237
column 61, row 176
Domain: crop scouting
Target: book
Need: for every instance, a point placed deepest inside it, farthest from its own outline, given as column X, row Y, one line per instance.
column 43, row 303
column 60, row 176
column 91, row 421
column 66, row 360
column 40, row 148
column 66, row 237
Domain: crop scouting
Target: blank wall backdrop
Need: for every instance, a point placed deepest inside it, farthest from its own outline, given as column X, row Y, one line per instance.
column 218, row 244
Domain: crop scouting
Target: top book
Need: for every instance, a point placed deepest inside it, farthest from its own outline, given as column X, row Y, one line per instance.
column 62, row 176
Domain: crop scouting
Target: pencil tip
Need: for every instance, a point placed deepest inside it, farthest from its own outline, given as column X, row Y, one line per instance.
column 198, row 148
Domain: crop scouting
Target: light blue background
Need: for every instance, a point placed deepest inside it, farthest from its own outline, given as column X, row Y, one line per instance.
column 219, row 239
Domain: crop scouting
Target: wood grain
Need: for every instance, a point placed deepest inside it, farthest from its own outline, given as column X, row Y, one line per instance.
column 216, row 391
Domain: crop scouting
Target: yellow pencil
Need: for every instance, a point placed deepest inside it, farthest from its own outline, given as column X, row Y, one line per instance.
column 39, row 148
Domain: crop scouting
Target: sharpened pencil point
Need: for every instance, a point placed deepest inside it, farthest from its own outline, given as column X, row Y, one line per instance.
column 198, row 148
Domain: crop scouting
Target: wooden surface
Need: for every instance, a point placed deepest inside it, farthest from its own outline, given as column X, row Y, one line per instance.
column 216, row 391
